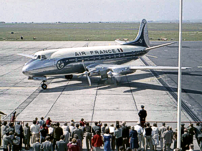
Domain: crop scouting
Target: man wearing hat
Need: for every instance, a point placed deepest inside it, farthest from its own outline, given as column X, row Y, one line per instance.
column 142, row 114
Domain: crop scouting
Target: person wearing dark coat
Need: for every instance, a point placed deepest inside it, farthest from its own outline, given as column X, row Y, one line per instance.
column 79, row 132
column 88, row 130
column 133, row 139
column 142, row 114
column 19, row 131
column 73, row 146
column 125, row 135
column 57, row 132
column 61, row 145
column 197, row 130
column 26, row 138
column 37, row 146
column 185, row 140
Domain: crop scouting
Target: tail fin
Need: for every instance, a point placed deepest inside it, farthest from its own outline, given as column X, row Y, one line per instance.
column 142, row 38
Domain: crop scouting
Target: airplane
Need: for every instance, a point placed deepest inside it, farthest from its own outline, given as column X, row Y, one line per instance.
column 104, row 61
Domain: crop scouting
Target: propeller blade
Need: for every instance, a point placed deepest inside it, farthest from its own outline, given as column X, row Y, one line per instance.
column 89, row 81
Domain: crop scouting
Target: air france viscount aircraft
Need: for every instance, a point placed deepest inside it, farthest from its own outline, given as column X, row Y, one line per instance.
column 101, row 61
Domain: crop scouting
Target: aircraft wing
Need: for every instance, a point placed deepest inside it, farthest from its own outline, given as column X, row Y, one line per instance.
column 26, row 55
column 158, row 46
column 155, row 68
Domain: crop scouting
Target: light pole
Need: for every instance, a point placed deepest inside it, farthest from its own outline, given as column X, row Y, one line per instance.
column 179, row 79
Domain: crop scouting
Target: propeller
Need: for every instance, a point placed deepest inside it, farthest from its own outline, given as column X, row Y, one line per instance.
column 86, row 73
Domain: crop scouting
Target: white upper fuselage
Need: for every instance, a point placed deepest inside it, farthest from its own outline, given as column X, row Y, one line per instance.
column 69, row 60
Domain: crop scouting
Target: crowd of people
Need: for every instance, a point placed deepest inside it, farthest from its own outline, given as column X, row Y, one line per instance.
column 49, row 136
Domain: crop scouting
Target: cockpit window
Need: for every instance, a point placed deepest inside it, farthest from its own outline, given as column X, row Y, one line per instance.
column 40, row 57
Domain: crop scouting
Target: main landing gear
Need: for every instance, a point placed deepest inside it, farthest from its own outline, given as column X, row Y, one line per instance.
column 43, row 85
column 69, row 76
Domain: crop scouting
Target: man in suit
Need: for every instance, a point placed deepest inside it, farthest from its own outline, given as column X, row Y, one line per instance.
column 79, row 132
column 88, row 130
column 125, row 135
column 57, row 132
column 19, row 131
column 3, row 129
column 61, row 145
column 167, row 139
column 47, row 145
column 142, row 114
column 37, row 146
column 161, row 130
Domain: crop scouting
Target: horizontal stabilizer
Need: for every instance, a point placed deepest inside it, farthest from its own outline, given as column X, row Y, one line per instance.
column 26, row 55
column 120, row 42
column 156, row 68
column 158, row 46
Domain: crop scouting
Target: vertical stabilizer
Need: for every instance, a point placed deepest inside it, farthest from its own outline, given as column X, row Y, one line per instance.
column 142, row 38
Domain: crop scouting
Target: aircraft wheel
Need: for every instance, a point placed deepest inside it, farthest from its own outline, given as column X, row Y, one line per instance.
column 44, row 86
column 68, row 76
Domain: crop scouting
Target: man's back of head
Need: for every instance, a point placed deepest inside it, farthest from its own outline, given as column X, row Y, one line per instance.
column 163, row 124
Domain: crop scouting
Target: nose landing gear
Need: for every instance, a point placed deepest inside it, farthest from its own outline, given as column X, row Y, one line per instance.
column 43, row 85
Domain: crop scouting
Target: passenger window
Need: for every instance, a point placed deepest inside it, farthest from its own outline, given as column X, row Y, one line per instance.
column 43, row 57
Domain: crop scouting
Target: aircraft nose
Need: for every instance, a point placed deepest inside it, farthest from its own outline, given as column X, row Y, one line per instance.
column 25, row 70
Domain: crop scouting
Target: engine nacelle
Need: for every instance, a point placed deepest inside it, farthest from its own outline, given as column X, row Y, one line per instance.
column 123, row 71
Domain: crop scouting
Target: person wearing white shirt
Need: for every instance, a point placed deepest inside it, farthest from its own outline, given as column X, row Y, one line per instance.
column 139, row 130
column 155, row 136
column 66, row 133
column 34, row 128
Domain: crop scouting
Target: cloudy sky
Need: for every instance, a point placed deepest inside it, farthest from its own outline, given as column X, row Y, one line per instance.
column 97, row 10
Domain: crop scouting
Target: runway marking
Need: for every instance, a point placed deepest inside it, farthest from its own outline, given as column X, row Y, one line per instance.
column 199, row 66
column 152, row 56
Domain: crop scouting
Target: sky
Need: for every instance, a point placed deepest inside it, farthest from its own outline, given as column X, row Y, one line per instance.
column 95, row 11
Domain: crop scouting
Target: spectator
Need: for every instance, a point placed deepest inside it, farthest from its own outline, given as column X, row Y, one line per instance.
column 43, row 133
column 148, row 139
column 11, row 135
column 103, row 129
column 72, row 121
column 97, row 141
column 161, row 130
column 197, row 130
column 37, row 146
column 125, row 135
column 155, row 136
column 100, row 125
column 133, row 139
column 26, row 139
column 6, row 141
column 111, row 131
column 57, row 133
column 19, row 131
column 185, row 140
column 88, row 130
column 191, row 147
column 16, row 143
column 191, row 131
column 42, row 122
column 118, row 137
column 82, row 122
column 79, row 132
column 175, row 139
column 50, row 131
column 78, row 141
column 47, row 145
column 48, row 122
column 73, row 146
column 107, row 138
column 37, row 122
column 34, row 128
column 61, row 145
column 139, row 130
column 167, row 139
column 182, row 129
column 11, row 128
column 96, row 128
column 13, row 117
column 142, row 114
column 71, row 128
column 4, row 127
column 66, row 133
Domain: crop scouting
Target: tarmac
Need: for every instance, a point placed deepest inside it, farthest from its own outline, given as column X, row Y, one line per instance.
column 74, row 99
